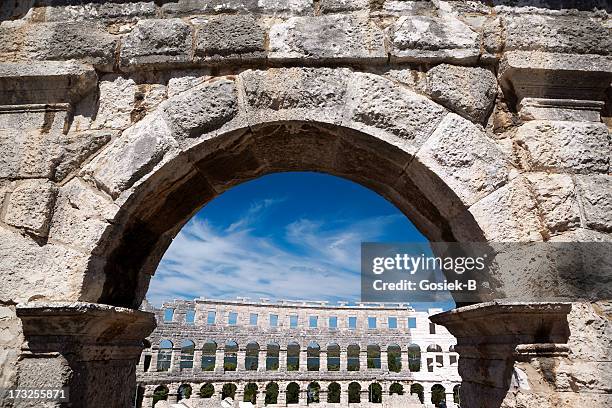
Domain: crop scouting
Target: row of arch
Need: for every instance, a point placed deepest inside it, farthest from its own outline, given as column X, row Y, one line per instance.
column 272, row 359
column 313, row 392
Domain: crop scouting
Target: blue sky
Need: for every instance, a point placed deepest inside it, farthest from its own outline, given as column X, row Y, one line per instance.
column 281, row 236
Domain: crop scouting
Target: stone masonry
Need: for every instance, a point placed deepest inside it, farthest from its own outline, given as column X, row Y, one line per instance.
column 254, row 330
column 482, row 121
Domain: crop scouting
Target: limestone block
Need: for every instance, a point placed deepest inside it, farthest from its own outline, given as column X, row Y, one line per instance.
column 157, row 43
column 509, row 214
column 30, row 206
column 84, row 41
column 555, row 194
column 385, row 109
column 574, row 147
column 116, row 101
column 76, row 148
column 327, row 37
column 595, row 192
column 431, row 39
column 567, row 34
column 189, row 7
column 81, row 215
column 131, row 155
column 591, row 332
column 295, row 94
column 338, row 6
column 229, row 37
column 184, row 80
column 469, row 92
column 102, row 11
column 463, row 159
column 202, row 109
column 292, row 7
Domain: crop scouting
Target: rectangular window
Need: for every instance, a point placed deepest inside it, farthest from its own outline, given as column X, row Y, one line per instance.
column 293, row 321
column 232, row 318
column 168, row 315
column 333, row 322
column 393, row 322
column 313, row 321
column 273, row 320
column 412, row 322
column 430, row 365
column 190, row 317
column 212, row 315
column 253, row 319
column 352, row 322
column 432, row 328
column 371, row 322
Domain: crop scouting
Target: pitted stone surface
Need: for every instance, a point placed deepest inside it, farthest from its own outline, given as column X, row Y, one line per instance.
column 224, row 37
column 203, row 108
column 469, row 92
column 328, row 37
column 30, row 206
column 157, row 42
column 414, row 38
column 596, row 199
column 573, row 147
column 556, row 197
column 385, row 107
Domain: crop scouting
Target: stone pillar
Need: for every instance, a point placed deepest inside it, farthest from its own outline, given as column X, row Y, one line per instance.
column 303, row 360
column 219, row 356
column 363, row 360
column 344, row 392
column 427, row 394
column 364, row 395
column 282, row 395
column 84, row 346
column 323, row 360
column 197, row 361
column 282, row 360
column 303, row 400
column 154, row 355
column 175, row 360
column 239, row 392
column 261, row 360
column 384, row 362
column 405, row 363
column 147, row 399
column 492, row 337
column 424, row 355
column 240, row 366
column 343, row 360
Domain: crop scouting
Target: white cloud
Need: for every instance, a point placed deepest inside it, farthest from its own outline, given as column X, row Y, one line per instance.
column 318, row 260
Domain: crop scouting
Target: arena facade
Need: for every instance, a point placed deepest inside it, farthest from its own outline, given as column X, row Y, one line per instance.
column 297, row 352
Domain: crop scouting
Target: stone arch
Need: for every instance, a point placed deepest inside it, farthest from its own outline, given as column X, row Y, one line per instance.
column 373, row 356
column 375, row 393
column 209, row 356
column 160, row 394
column 354, row 392
column 164, row 355
column 272, row 356
column 271, row 393
column 293, row 393
column 187, row 352
column 334, row 392
column 207, row 139
column 418, row 389
column 251, row 356
column 250, row 393
column 230, row 356
column 414, row 357
column 394, row 358
column 293, row 356
column 228, row 390
column 313, row 353
column 312, row 393
column 207, row 390
column 333, row 357
column 396, row 388
column 438, row 394
column 434, row 348
column 352, row 357
column 184, row 392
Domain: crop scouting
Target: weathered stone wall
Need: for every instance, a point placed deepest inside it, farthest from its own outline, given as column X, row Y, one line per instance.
column 200, row 331
column 118, row 120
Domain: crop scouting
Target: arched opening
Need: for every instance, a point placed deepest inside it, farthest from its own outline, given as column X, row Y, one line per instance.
column 251, row 361
column 164, row 355
column 312, row 359
column 352, row 357
column 250, row 393
column 230, row 357
column 414, row 358
column 373, row 353
column 160, row 394
column 396, row 388
column 312, row 393
column 187, row 351
column 207, row 390
column 293, row 356
column 293, row 393
column 418, row 389
column 375, row 393
column 271, row 393
column 184, row 392
column 456, row 395
column 434, row 348
column 272, row 356
column 333, row 393
column 354, row 393
column 228, row 391
column 209, row 355
column 394, row 358
column 333, row 357
column 438, row 394
column 435, row 359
